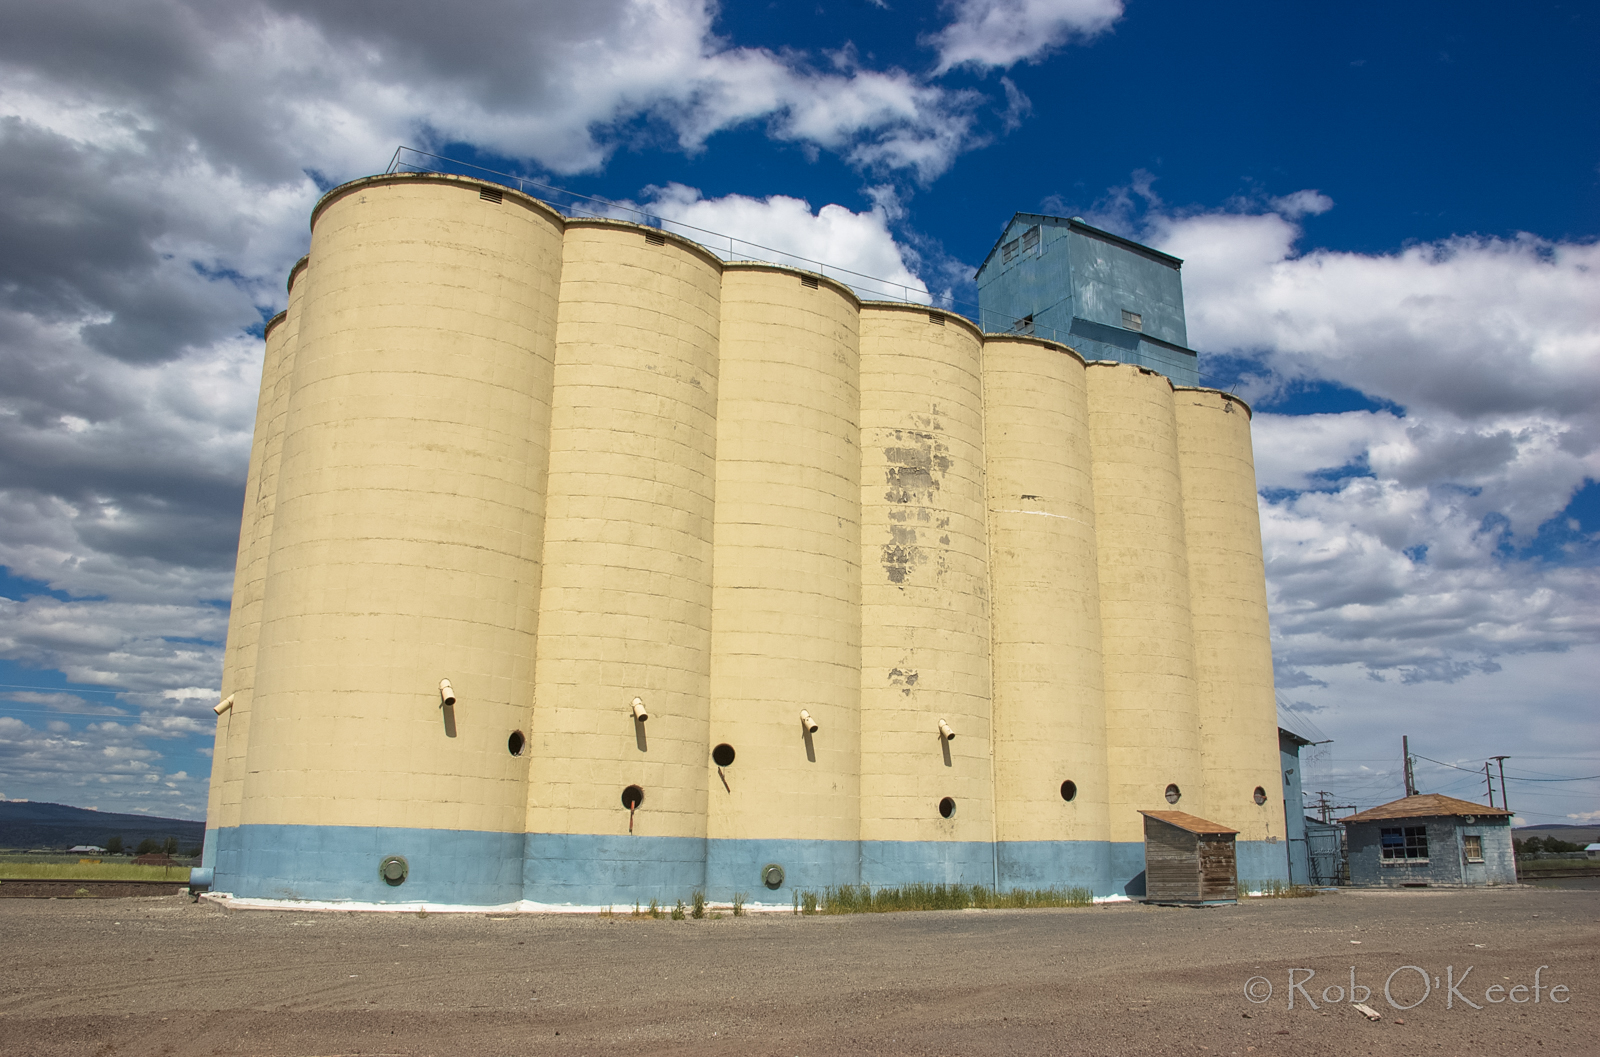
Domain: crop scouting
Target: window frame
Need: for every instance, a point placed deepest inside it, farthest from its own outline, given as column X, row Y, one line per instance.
column 1411, row 847
column 1468, row 840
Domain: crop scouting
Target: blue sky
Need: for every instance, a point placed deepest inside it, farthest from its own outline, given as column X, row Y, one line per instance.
column 1389, row 216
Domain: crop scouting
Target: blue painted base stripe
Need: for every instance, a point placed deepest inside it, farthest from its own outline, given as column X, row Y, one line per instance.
column 484, row 869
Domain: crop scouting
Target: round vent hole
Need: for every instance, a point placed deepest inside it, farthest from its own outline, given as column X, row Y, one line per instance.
column 1069, row 790
column 947, row 807
column 1260, row 795
column 516, row 743
column 772, row 875
column 722, row 755
column 394, row 870
column 632, row 797
column 1174, row 794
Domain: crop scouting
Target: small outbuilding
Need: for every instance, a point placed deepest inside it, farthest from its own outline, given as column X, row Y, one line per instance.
column 1188, row 860
column 1430, row 840
column 1592, row 851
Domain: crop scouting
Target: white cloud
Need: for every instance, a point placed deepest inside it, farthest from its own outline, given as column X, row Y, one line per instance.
column 158, row 160
column 859, row 243
column 1394, row 538
column 1002, row 33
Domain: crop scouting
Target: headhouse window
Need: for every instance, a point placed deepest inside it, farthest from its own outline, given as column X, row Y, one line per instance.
column 1132, row 320
column 1405, row 843
column 1030, row 239
column 1008, row 252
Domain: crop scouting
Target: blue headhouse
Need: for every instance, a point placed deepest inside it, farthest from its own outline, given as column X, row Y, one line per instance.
column 1106, row 296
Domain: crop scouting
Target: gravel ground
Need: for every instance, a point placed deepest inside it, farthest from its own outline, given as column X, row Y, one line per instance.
column 166, row 976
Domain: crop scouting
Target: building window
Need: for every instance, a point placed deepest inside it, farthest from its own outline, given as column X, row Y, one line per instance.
column 1030, row 239
column 1008, row 252
column 1132, row 320
column 1408, row 844
column 1474, row 847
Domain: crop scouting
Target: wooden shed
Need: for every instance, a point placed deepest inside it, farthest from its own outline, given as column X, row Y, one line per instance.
column 1188, row 860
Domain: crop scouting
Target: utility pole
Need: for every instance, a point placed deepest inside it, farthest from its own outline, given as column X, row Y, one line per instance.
column 1490, row 782
column 1405, row 750
column 1505, row 803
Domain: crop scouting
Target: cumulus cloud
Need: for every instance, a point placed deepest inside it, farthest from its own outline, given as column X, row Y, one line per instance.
column 856, row 248
column 103, row 763
column 158, row 160
column 1001, row 33
column 1398, row 539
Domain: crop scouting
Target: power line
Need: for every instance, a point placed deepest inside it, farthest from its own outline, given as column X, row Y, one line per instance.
column 1509, row 777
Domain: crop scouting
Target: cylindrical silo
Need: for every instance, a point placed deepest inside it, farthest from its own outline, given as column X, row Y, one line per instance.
column 626, row 599
column 405, row 551
column 1147, row 642
column 1232, row 640
column 1051, row 791
column 927, row 810
column 786, row 600
column 249, row 577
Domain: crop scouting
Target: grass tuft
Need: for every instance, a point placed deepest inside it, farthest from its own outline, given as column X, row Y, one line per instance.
column 738, row 904
column 1276, row 889
column 677, row 911
column 699, row 910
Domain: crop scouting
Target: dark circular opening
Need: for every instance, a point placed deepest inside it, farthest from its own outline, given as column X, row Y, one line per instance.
column 1260, row 795
column 516, row 743
column 393, row 870
column 1174, row 794
column 947, row 807
column 1069, row 790
column 772, row 875
column 632, row 797
column 722, row 755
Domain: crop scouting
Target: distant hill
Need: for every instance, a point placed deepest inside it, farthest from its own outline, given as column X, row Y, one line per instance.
column 25, row 824
column 1575, row 834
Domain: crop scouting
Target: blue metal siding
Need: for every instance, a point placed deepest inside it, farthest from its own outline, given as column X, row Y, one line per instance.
column 1294, row 811
column 1073, row 288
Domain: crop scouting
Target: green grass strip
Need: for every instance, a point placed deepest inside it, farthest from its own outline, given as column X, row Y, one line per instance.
column 106, row 871
column 862, row 899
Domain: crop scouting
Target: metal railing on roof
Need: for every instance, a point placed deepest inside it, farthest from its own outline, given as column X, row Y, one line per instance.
column 727, row 247
column 574, row 204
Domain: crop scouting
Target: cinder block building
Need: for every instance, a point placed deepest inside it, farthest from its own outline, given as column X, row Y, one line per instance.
column 1430, row 840
column 579, row 565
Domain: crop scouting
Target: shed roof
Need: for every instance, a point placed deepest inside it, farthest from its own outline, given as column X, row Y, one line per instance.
column 1184, row 820
column 1424, row 805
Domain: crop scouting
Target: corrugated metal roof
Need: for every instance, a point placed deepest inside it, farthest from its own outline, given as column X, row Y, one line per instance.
column 1422, row 806
column 1184, row 820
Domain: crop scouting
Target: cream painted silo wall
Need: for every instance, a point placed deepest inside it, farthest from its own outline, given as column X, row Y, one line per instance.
column 244, row 617
column 240, row 664
column 1152, row 724
column 1232, row 640
column 406, row 548
column 626, row 597
column 1050, row 725
column 924, row 601
column 786, row 632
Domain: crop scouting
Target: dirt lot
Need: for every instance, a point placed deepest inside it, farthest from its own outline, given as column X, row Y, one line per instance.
column 164, row 976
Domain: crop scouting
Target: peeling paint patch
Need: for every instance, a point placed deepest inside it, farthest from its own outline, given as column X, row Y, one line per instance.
column 916, row 465
column 905, row 678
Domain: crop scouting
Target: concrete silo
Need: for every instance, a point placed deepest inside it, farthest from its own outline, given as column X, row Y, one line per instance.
column 581, row 566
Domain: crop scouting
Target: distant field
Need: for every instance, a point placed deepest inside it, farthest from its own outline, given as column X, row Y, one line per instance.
column 1530, row 867
column 105, row 871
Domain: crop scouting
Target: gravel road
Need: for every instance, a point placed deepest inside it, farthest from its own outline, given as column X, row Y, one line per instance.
column 166, row 976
